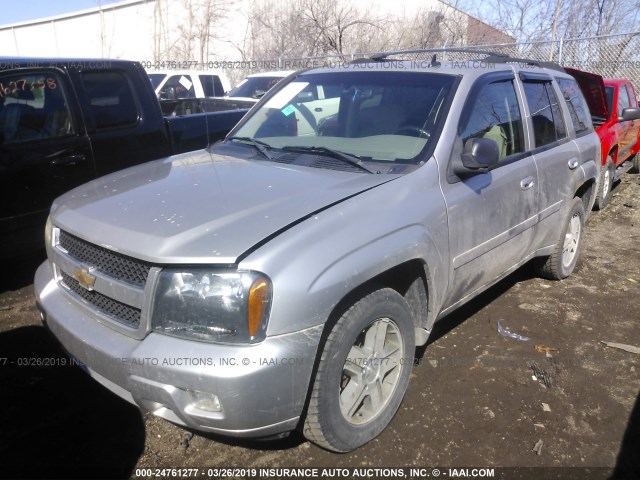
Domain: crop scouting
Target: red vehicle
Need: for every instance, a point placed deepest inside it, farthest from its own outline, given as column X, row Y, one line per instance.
column 616, row 117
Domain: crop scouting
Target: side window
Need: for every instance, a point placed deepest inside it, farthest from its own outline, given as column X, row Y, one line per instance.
column 211, row 85
column 632, row 97
column 548, row 124
column 495, row 114
column 110, row 99
column 33, row 106
column 577, row 105
column 623, row 100
column 178, row 86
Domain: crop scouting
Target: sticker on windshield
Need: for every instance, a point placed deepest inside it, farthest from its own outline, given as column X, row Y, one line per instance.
column 288, row 110
column 284, row 96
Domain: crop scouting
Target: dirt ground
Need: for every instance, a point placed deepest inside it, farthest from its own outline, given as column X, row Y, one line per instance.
column 474, row 399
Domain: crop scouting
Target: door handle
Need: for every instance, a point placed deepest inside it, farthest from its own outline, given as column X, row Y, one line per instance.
column 68, row 160
column 527, row 183
column 573, row 164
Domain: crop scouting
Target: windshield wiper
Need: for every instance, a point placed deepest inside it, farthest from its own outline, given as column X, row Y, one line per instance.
column 345, row 157
column 259, row 145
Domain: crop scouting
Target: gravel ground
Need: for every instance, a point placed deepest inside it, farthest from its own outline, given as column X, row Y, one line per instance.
column 561, row 405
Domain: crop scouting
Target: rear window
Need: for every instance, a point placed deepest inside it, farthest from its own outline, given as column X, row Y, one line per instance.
column 111, row 99
column 608, row 91
column 577, row 105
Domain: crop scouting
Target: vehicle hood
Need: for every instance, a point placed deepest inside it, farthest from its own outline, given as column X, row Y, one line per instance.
column 592, row 86
column 201, row 207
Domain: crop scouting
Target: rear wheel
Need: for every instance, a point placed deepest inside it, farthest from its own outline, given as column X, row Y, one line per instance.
column 606, row 182
column 561, row 263
column 636, row 163
column 363, row 372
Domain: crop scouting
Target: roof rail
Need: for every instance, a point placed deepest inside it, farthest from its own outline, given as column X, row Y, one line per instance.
column 383, row 55
column 491, row 57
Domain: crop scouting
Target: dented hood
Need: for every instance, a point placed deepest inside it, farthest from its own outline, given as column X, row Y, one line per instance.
column 592, row 86
column 200, row 207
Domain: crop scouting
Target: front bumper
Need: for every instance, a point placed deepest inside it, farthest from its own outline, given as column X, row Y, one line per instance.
column 261, row 389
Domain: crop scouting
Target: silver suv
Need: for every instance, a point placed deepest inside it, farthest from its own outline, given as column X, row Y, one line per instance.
column 282, row 278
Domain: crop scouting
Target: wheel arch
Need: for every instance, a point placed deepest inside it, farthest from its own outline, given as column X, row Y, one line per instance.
column 413, row 279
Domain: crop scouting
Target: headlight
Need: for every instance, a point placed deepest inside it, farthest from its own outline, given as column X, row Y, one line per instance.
column 224, row 307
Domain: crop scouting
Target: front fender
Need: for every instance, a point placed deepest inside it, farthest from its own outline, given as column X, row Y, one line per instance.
column 316, row 263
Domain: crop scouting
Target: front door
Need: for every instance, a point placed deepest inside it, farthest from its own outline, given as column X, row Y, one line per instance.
column 44, row 152
column 491, row 215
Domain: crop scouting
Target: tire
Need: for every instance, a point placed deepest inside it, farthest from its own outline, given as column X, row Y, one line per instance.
column 561, row 263
column 605, row 184
column 636, row 163
column 353, row 401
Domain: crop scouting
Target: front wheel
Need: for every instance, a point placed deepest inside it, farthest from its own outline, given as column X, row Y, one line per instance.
column 363, row 372
column 561, row 263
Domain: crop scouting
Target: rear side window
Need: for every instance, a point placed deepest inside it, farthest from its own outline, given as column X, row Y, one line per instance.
column 33, row 106
column 577, row 105
column 211, row 85
column 110, row 99
column 495, row 114
column 548, row 124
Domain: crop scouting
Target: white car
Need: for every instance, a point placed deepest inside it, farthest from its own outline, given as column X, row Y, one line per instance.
column 253, row 87
column 178, row 84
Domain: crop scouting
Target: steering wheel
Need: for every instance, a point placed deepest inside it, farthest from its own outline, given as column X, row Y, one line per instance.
column 412, row 131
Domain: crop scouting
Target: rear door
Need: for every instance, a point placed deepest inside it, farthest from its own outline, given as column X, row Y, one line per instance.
column 44, row 152
column 125, row 123
column 580, row 126
column 491, row 215
column 556, row 155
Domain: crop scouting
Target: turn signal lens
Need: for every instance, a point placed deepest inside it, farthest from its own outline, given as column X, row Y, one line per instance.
column 259, row 300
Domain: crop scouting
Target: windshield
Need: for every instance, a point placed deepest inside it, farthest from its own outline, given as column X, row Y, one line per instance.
column 386, row 116
column 156, row 78
column 253, row 87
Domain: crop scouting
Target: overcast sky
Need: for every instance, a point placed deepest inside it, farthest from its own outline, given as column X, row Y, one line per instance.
column 44, row 8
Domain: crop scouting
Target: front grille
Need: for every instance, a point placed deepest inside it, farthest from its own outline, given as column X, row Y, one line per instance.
column 111, row 263
column 121, row 312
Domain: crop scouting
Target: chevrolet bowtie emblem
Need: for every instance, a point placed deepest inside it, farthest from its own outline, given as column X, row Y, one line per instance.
column 84, row 278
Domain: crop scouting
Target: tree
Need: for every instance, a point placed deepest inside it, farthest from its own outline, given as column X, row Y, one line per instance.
column 197, row 23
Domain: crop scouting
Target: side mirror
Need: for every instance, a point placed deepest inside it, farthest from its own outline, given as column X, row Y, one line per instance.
column 630, row 113
column 479, row 156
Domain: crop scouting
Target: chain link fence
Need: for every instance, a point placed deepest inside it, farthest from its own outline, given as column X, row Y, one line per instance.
column 612, row 56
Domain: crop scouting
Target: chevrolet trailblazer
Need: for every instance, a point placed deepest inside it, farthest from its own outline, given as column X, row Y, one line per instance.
column 293, row 267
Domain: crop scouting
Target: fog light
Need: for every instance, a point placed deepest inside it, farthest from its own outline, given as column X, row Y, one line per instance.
column 43, row 316
column 206, row 402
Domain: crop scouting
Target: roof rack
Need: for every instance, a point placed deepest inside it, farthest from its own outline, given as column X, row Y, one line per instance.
column 491, row 57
